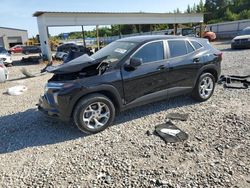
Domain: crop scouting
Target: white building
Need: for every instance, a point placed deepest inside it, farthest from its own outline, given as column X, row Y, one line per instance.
column 10, row 37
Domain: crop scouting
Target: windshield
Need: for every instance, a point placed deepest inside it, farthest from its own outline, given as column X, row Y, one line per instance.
column 2, row 50
column 245, row 32
column 115, row 51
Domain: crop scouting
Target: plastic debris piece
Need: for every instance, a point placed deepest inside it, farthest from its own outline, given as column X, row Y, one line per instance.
column 17, row 90
column 31, row 75
column 177, row 116
column 170, row 133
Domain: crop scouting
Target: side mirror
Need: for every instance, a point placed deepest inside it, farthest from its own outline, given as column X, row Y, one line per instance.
column 135, row 62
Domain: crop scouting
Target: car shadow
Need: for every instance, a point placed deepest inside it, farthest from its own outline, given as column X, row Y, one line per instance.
column 31, row 128
column 145, row 110
column 24, row 63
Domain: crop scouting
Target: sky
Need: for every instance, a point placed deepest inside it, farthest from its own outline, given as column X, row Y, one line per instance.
column 18, row 13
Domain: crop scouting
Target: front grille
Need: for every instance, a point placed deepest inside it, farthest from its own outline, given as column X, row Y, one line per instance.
column 241, row 41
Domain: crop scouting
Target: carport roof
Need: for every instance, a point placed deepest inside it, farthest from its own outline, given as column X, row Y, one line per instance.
column 39, row 13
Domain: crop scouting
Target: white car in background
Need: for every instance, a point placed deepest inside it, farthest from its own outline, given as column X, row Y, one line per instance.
column 5, row 56
column 3, row 72
column 242, row 40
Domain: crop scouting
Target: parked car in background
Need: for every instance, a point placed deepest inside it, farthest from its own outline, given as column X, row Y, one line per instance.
column 31, row 49
column 5, row 56
column 3, row 72
column 64, row 50
column 127, row 73
column 242, row 40
column 17, row 49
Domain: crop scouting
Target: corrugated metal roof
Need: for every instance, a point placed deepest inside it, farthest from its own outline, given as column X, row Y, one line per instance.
column 12, row 28
column 39, row 13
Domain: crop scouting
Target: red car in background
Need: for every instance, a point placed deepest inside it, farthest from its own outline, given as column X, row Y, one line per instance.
column 17, row 49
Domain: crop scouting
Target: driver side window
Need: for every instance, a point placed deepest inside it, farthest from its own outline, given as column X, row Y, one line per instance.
column 151, row 52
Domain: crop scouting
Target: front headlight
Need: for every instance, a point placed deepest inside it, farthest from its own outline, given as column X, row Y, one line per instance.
column 52, row 85
column 46, row 89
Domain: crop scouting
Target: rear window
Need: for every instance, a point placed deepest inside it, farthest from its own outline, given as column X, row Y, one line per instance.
column 196, row 45
column 177, row 48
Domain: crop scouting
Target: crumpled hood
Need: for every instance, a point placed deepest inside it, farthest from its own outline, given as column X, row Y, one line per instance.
column 74, row 65
column 242, row 37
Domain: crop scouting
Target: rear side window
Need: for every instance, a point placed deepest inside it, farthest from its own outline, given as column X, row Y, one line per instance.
column 177, row 48
column 196, row 45
column 151, row 52
column 189, row 47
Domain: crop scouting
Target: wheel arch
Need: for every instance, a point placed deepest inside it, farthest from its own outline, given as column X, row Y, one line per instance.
column 212, row 69
column 108, row 91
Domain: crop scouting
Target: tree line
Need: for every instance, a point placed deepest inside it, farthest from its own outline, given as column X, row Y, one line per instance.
column 214, row 11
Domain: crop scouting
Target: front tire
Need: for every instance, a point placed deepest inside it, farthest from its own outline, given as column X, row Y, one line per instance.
column 204, row 87
column 94, row 113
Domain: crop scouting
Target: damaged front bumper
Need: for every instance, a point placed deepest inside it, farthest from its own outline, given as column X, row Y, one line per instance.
column 47, row 107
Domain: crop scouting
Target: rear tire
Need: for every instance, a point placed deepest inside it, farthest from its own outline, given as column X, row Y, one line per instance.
column 204, row 87
column 94, row 113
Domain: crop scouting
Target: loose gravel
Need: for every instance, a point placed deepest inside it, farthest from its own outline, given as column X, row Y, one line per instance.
column 39, row 152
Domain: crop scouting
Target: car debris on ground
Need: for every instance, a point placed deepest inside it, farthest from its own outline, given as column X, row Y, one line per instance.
column 177, row 116
column 235, row 82
column 170, row 133
column 17, row 90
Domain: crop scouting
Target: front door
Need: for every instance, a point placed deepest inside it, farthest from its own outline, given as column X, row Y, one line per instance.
column 147, row 78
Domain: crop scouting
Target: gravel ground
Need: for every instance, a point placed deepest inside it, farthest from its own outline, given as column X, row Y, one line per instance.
column 39, row 152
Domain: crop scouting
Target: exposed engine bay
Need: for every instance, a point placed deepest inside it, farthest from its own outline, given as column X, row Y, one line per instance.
column 83, row 66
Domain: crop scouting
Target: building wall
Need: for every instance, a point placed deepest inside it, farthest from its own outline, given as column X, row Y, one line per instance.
column 8, row 36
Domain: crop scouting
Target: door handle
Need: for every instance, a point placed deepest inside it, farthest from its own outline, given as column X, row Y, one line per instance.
column 196, row 60
column 161, row 67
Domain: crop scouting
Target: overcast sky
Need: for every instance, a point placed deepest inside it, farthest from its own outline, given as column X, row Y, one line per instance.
column 18, row 13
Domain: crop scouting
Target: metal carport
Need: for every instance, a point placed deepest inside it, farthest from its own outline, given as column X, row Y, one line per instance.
column 53, row 19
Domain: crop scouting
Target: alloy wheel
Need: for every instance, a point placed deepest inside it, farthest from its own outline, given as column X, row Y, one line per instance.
column 206, row 87
column 96, row 115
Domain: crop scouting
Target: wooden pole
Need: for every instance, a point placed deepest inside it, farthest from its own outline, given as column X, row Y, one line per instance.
column 120, row 32
column 200, row 30
column 83, row 37
column 97, row 37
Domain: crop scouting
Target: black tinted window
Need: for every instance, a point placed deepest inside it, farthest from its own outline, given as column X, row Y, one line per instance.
column 196, row 45
column 151, row 52
column 177, row 48
column 189, row 47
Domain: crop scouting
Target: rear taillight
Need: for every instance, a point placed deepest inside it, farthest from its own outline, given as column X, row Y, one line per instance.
column 1, row 66
column 219, row 55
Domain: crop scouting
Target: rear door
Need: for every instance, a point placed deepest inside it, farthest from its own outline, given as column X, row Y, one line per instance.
column 183, row 63
column 147, row 78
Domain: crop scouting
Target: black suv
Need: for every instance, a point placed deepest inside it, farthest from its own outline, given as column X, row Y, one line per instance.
column 31, row 49
column 127, row 73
